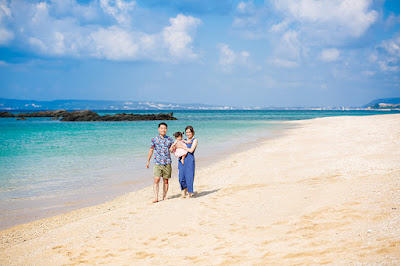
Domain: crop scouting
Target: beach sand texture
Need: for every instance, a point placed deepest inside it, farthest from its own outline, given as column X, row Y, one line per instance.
column 326, row 192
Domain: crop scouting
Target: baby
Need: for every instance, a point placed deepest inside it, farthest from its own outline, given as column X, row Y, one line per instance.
column 179, row 152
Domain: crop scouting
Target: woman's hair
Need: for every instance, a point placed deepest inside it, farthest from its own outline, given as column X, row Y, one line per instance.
column 178, row 134
column 190, row 128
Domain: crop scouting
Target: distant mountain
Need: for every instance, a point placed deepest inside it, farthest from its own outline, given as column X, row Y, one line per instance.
column 12, row 104
column 386, row 103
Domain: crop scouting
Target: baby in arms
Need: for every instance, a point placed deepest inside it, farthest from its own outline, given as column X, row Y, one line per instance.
column 179, row 152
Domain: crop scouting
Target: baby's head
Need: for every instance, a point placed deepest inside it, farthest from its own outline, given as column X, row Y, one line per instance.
column 178, row 135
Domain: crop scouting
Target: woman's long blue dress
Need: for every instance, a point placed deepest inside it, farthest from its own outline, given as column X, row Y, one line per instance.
column 186, row 171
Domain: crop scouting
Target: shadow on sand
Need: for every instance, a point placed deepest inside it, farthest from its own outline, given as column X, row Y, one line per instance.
column 196, row 194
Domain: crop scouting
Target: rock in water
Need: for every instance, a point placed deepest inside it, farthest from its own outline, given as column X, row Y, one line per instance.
column 87, row 115
column 6, row 114
column 80, row 116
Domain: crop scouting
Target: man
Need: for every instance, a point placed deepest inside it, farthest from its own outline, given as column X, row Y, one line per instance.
column 161, row 144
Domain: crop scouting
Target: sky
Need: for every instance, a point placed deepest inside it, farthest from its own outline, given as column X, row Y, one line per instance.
column 282, row 53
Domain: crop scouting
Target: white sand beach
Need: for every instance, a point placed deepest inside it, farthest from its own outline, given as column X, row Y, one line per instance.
column 326, row 192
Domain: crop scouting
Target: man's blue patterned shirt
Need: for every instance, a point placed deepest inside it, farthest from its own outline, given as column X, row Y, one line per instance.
column 161, row 147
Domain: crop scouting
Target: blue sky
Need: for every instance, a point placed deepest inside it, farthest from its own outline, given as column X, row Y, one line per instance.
column 237, row 53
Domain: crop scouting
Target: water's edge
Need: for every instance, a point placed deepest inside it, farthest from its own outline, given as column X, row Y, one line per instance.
column 38, row 209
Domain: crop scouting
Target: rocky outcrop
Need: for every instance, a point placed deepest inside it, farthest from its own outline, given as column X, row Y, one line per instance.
column 87, row 115
column 58, row 113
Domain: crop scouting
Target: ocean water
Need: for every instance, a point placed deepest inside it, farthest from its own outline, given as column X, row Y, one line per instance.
column 49, row 167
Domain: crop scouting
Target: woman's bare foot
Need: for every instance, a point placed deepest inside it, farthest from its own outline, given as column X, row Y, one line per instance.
column 183, row 194
column 190, row 195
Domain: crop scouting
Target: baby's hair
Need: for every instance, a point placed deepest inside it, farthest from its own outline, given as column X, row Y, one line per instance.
column 178, row 134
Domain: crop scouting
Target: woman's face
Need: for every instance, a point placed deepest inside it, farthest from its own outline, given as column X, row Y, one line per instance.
column 189, row 133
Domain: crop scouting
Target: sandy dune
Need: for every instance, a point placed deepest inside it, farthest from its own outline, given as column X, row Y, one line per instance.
column 328, row 191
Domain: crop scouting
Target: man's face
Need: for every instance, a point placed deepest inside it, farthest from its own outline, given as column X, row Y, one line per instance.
column 162, row 130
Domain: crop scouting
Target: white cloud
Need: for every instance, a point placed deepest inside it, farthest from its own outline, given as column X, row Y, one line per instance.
column 228, row 59
column 6, row 35
column 114, row 43
column 118, row 9
column 392, row 20
column 329, row 55
column 245, row 7
column 178, row 36
column 279, row 27
column 388, row 65
column 85, row 13
column 323, row 87
column 285, row 63
column 368, row 73
column 48, row 29
column 348, row 17
column 392, row 46
column 248, row 17
column 291, row 44
column 388, row 54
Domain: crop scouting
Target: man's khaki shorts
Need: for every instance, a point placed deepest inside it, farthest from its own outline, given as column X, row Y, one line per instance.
column 164, row 171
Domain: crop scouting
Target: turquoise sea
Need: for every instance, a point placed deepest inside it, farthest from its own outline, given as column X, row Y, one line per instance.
column 49, row 167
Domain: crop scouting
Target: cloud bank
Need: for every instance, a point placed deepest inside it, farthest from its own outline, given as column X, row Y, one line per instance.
column 102, row 30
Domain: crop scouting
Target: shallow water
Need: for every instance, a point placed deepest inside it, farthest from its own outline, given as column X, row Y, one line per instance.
column 48, row 167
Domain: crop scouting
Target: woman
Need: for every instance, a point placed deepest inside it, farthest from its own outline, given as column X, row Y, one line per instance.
column 186, row 170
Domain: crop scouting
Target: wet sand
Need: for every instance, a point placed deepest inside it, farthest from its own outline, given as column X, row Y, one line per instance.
column 16, row 211
column 327, row 192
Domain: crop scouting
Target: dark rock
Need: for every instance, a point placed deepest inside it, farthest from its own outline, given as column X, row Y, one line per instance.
column 80, row 116
column 58, row 113
column 87, row 115
column 22, row 118
column 92, row 116
column 6, row 114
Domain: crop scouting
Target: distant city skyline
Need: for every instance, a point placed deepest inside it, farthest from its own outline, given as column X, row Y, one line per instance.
column 235, row 53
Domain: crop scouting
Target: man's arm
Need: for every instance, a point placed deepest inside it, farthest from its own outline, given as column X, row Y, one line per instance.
column 149, row 157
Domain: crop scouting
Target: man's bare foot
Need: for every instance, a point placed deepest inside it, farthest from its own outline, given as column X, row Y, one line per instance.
column 190, row 195
column 165, row 198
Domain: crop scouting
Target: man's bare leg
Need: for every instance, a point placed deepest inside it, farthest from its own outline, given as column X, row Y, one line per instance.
column 165, row 188
column 156, row 188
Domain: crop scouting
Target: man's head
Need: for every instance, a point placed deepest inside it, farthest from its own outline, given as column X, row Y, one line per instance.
column 162, row 128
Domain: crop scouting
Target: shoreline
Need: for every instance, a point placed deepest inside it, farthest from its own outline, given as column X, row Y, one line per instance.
column 39, row 208
column 313, row 197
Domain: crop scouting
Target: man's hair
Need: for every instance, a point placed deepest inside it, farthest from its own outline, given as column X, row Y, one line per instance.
column 162, row 123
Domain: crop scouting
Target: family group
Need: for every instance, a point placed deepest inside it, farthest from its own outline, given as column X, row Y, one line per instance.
column 162, row 146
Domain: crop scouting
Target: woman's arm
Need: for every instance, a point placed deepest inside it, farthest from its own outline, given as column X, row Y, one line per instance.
column 191, row 149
